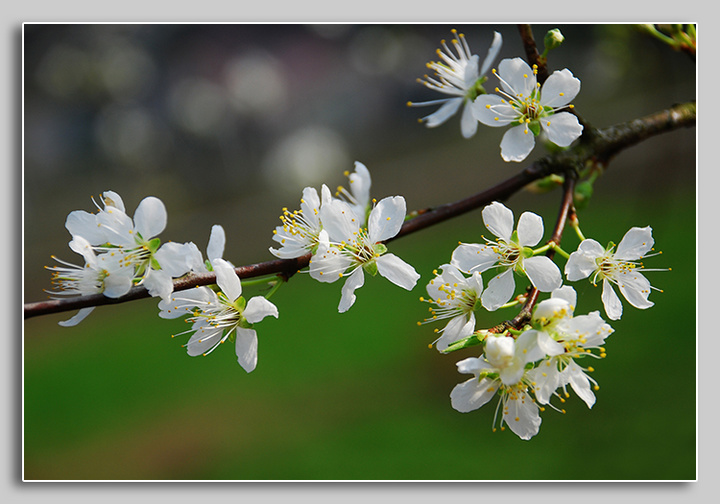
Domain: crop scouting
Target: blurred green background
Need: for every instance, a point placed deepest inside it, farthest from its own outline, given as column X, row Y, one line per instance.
column 226, row 124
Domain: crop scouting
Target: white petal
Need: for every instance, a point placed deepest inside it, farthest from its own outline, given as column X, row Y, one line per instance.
column 521, row 415
column 258, row 308
column 354, row 281
column 472, row 394
column 457, row 329
column 499, row 291
column 216, row 244
column 77, row 318
column 111, row 198
column 543, row 273
column 499, row 219
column 204, row 339
column 158, row 284
column 397, row 271
column 150, row 217
column 611, row 301
column 85, row 224
column 546, row 379
column 339, row 220
column 582, row 263
column 492, row 53
column 559, row 89
column 562, row 129
column 227, row 279
column 246, row 345
column 530, row 229
column 81, row 246
column 327, row 264
column 548, row 346
column 636, row 289
column 386, row 219
column 578, row 380
column 445, row 112
column 517, row 143
column 468, row 123
column 517, row 77
column 471, row 73
column 118, row 284
column 174, row 258
column 117, row 227
column 183, row 302
column 635, row 244
column 472, row 257
column 566, row 293
column 491, row 110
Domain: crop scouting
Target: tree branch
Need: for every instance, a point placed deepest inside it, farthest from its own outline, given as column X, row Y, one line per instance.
column 597, row 145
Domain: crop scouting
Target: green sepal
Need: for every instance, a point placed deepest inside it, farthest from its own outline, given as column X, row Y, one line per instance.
column 240, row 303
column 208, row 265
column 474, row 339
column 379, row 248
column 154, row 264
column 153, row 245
column 370, row 268
column 527, row 252
column 534, row 127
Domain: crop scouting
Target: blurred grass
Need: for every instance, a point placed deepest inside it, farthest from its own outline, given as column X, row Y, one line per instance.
column 359, row 395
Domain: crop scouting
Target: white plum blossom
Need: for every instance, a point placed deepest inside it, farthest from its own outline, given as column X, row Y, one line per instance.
column 346, row 249
column 564, row 339
column 100, row 274
column 501, row 369
column 621, row 267
column 461, row 77
column 455, row 297
column 301, row 228
column 528, row 108
column 215, row 317
column 511, row 254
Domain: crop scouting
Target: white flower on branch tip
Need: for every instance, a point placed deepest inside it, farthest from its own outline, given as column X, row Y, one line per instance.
column 528, row 108
column 461, row 77
column 501, row 369
column 510, row 254
column 301, row 228
column 102, row 273
column 346, row 249
column 564, row 339
column 621, row 267
column 215, row 317
column 455, row 298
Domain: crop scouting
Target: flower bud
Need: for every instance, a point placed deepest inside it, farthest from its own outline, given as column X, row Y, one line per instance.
column 553, row 38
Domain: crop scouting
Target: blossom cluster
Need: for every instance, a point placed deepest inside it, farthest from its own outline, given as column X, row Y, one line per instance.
column 345, row 235
column 526, row 366
column 121, row 252
column 520, row 102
